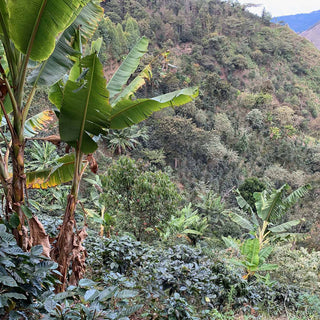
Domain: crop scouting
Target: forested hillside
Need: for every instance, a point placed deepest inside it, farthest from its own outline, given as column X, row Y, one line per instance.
column 159, row 160
column 257, row 114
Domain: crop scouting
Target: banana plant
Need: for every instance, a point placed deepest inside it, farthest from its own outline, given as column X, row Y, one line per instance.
column 38, row 33
column 187, row 224
column 262, row 227
column 270, row 206
column 89, row 107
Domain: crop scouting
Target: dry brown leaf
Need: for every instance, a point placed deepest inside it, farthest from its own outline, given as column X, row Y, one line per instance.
column 38, row 235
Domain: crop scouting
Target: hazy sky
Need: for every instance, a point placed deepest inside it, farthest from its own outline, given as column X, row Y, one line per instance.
column 284, row 7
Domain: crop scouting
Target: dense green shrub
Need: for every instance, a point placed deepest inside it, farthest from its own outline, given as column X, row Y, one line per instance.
column 182, row 275
column 140, row 198
column 24, row 277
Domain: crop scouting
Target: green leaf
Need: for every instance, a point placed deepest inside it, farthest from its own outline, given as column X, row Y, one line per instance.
column 296, row 195
column 134, row 85
column 14, row 220
column 14, row 295
column 49, row 304
column 56, row 95
column 241, row 221
column 85, row 283
column 250, row 249
column 96, row 45
column 91, row 294
column 270, row 206
column 129, row 65
column 265, row 253
column 129, row 112
column 59, row 63
column 4, row 15
column 37, row 250
column 85, row 108
column 38, row 123
column 107, row 293
column 268, row 267
column 8, row 281
column 48, row 178
column 243, row 204
column 28, row 213
column 34, row 25
column 284, row 226
column 125, row 294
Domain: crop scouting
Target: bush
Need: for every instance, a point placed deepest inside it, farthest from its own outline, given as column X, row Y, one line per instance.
column 141, row 198
column 24, row 277
column 170, row 278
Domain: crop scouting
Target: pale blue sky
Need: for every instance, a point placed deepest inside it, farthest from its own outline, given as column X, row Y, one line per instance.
column 284, row 7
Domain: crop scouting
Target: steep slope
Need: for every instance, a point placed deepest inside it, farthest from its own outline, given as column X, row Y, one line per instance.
column 313, row 34
column 299, row 22
column 257, row 114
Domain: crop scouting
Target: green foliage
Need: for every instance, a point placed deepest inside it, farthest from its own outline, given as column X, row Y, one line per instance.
column 43, row 156
column 141, row 199
column 202, row 284
column 249, row 187
column 91, row 301
column 119, row 141
column 187, row 224
column 24, row 277
column 297, row 266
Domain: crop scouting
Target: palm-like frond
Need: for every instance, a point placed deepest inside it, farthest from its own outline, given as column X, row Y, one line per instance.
column 296, row 195
column 34, row 25
column 284, row 226
column 241, row 221
column 270, row 206
column 129, row 65
column 59, row 63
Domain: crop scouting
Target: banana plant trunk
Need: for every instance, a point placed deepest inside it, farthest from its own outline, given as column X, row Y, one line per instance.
column 68, row 249
column 18, row 190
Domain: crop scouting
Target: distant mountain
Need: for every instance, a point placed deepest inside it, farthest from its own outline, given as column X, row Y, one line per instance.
column 300, row 22
column 313, row 34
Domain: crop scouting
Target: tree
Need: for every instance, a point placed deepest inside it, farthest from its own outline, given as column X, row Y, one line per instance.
column 142, row 199
column 28, row 32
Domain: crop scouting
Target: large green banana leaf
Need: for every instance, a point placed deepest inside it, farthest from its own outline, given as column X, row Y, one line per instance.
column 250, row 249
column 52, row 177
column 85, row 107
column 34, row 25
column 294, row 196
column 59, row 63
column 284, row 226
column 241, row 221
column 129, row 112
column 270, row 206
column 128, row 66
column 134, row 85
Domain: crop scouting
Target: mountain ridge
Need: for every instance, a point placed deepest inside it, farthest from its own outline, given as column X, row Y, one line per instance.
column 299, row 22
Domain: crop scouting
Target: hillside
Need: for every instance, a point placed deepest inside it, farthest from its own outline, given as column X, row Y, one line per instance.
column 206, row 209
column 313, row 34
column 258, row 110
column 299, row 22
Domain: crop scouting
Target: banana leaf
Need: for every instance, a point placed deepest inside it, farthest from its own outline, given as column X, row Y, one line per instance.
column 34, row 25
column 129, row 65
column 48, row 178
column 59, row 63
column 38, row 123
